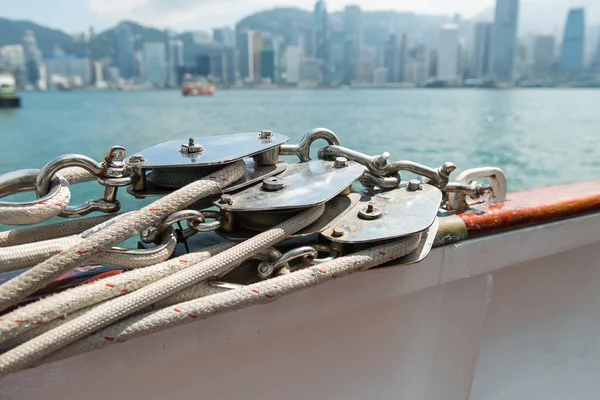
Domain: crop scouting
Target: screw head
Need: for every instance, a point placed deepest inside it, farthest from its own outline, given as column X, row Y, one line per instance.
column 414, row 185
column 266, row 134
column 226, row 199
column 340, row 162
column 273, row 184
column 338, row 231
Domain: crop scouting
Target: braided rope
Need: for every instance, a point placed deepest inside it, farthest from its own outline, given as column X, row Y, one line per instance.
column 266, row 291
column 35, row 317
column 116, row 309
column 126, row 227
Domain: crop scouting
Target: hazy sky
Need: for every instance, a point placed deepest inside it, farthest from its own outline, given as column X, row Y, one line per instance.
column 77, row 15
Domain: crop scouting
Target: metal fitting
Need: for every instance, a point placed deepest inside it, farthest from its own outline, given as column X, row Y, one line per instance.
column 338, row 232
column 273, row 184
column 136, row 159
column 266, row 134
column 414, row 185
column 370, row 212
column 226, row 199
column 191, row 147
column 340, row 162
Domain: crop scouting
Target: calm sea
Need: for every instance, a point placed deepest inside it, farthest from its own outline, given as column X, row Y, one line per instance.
column 539, row 137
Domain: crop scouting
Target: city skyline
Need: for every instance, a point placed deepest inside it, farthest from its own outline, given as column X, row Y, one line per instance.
column 325, row 51
column 179, row 15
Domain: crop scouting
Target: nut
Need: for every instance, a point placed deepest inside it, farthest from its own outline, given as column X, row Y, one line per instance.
column 370, row 212
column 136, row 159
column 273, row 184
column 414, row 185
column 191, row 147
column 266, row 134
column 340, row 162
column 226, row 199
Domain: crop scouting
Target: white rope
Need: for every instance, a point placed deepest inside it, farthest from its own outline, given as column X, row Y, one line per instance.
column 42, row 210
column 127, row 226
column 29, row 254
column 236, row 299
column 40, row 313
column 118, row 308
column 38, row 211
column 16, row 237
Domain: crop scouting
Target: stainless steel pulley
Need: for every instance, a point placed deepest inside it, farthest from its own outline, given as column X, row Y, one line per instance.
column 167, row 166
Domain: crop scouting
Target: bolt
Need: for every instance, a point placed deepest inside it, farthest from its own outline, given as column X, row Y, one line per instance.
column 447, row 169
column 381, row 161
column 370, row 212
column 340, row 162
column 370, row 208
column 191, row 147
column 226, row 199
column 414, row 185
column 273, row 183
column 338, row 232
column 265, row 134
column 264, row 268
column 136, row 158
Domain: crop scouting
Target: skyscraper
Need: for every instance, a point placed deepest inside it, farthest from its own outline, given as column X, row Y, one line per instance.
column 155, row 63
column 267, row 64
column 353, row 29
column 124, row 50
column 504, row 46
column 338, row 66
column 448, row 50
column 244, row 49
column 175, row 61
column 572, row 49
column 258, row 43
column 596, row 59
column 322, row 40
column 33, row 58
column 224, row 36
column 395, row 57
column 249, row 44
column 543, row 56
column 482, row 52
column 293, row 62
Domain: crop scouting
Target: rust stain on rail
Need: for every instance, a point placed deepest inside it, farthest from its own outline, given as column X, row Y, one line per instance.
column 533, row 207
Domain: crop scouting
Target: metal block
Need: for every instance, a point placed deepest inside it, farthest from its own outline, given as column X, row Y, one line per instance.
column 252, row 175
column 402, row 212
column 247, row 227
column 215, row 150
column 305, row 184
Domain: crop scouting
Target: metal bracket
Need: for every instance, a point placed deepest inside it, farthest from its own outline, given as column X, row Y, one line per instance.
column 457, row 201
column 403, row 212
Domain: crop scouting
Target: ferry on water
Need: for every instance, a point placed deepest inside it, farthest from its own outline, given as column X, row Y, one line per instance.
column 196, row 87
column 8, row 86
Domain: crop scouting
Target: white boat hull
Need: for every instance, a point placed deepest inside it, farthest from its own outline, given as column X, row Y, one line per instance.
column 507, row 316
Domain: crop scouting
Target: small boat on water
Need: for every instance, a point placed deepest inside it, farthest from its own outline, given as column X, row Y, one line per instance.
column 192, row 87
column 475, row 293
column 8, row 87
